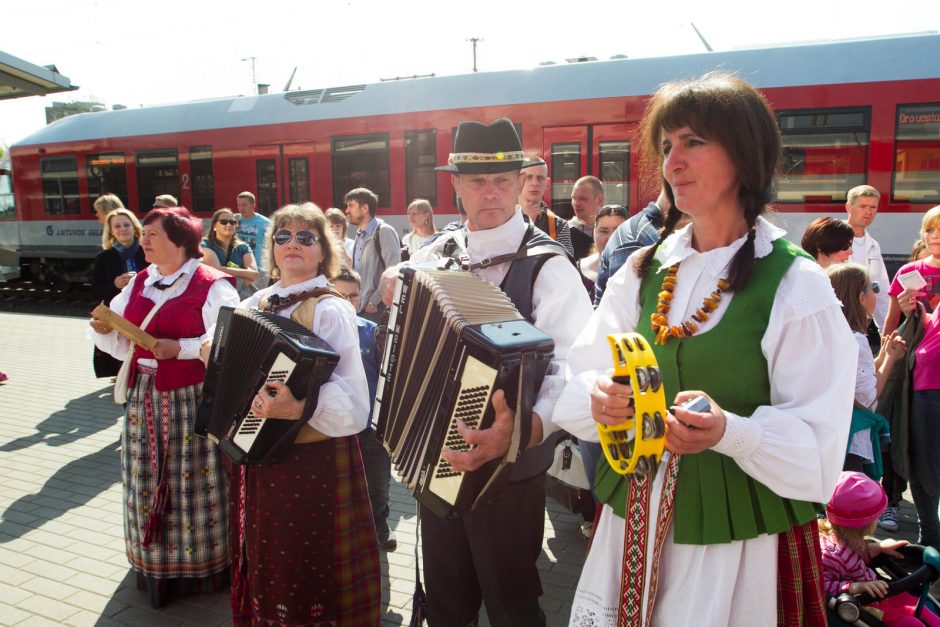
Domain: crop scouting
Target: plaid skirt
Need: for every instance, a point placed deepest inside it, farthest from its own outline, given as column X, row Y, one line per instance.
column 192, row 539
column 305, row 550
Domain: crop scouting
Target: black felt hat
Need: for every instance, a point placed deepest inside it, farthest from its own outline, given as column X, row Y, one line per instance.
column 486, row 149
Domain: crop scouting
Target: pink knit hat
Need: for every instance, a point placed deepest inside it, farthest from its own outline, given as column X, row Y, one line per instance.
column 857, row 501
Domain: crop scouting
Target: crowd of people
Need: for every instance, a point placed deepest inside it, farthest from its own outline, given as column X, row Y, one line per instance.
column 821, row 376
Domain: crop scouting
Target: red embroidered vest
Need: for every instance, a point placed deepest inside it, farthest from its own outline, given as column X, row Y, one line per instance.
column 179, row 317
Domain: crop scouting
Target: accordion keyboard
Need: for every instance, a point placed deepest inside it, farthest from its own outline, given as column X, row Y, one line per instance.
column 251, row 426
column 476, row 387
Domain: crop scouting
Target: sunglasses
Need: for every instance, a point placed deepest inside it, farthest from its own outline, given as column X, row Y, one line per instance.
column 304, row 238
column 874, row 287
column 226, row 222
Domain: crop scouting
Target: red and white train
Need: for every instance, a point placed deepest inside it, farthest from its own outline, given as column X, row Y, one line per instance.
column 850, row 112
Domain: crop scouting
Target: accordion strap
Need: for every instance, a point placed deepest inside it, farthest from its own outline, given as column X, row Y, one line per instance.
column 275, row 303
column 523, row 252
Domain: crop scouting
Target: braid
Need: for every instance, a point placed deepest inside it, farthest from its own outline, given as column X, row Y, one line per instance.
column 742, row 265
column 669, row 225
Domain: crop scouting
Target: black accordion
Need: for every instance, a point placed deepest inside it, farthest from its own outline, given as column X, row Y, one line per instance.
column 251, row 348
column 453, row 339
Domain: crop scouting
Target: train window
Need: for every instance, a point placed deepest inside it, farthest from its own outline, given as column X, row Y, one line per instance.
column 361, row 161
column 298, row 179
column 825, row 154
column 917, row 154
column 60, row 186
column 420, row 160
column 566, row 169
column 107, row 174
column 266, row 176
column 200, row 169
column 158, row 173
column 614, row 160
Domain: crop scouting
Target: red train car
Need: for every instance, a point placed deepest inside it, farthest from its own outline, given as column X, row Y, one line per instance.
column 851, row 112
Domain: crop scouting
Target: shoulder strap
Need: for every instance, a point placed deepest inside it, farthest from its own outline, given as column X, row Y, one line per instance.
column 303, row 314
column 552, row 227
column 459, row 250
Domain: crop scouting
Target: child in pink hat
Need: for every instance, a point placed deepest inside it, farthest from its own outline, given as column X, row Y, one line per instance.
column 851, row 515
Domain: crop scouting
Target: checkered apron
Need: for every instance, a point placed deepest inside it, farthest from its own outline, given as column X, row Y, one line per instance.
column 304, row 539
column 189, row 538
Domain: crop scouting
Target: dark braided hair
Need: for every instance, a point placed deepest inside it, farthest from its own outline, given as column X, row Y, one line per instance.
column 724, row 109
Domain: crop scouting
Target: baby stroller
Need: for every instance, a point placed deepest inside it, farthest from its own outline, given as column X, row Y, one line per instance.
column 914, row 573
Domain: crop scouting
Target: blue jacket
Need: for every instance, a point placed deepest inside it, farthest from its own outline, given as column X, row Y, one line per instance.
column 370, row 355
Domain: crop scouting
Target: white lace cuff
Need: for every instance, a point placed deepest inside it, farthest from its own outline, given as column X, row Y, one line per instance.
column 741, row 438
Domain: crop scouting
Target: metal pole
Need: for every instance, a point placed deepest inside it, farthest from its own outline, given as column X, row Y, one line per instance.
column 474, row 41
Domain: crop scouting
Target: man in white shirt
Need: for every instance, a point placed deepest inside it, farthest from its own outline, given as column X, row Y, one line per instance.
column 489, row 554
column 587, row 196
column 862, row 206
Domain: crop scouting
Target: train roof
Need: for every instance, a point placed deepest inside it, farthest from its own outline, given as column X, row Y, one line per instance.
column 871, row 60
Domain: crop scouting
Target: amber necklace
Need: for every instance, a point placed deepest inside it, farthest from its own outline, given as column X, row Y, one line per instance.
column 660, row 319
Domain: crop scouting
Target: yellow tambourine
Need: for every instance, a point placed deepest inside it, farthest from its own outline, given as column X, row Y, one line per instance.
column 635, row 365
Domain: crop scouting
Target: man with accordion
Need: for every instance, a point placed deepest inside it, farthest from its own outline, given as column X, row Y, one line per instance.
column 488, row 554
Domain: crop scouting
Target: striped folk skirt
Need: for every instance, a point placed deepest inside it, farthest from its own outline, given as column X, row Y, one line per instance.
column 304, row 545
column 189, row 536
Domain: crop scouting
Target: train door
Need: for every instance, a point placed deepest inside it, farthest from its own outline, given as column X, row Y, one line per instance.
column 601, row 150
column 282, row 175
column 267, row 162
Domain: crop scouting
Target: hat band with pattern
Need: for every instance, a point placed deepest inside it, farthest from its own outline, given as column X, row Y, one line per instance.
column 484, row 157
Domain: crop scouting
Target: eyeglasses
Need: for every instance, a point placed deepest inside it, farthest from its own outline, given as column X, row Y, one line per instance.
column 304, row 238
column 226, row 222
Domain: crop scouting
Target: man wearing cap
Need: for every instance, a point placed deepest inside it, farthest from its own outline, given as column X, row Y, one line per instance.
column 488, row 555
column 534, row 183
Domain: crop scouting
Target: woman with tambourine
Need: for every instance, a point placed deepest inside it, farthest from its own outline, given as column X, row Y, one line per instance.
column 734, row 313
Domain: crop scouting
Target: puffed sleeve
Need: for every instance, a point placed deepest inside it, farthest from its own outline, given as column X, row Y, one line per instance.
column 114, row 343
column 221, row 294
column 796, row 445
column 559, row 309
column 618, row 312
column 343, row 405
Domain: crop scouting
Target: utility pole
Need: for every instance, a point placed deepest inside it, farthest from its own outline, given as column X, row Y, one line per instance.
column 474, row 41
column 254, row 81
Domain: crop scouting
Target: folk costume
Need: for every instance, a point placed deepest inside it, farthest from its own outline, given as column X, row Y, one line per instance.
column 175, row 522
column 489, row 554
column 304, row 546
column 706, row 537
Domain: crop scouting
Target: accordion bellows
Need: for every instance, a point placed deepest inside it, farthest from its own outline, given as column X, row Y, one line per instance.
column 251, row 348
column 454, row 339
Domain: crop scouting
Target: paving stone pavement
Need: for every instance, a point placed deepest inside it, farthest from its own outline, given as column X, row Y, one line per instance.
column 62, row 556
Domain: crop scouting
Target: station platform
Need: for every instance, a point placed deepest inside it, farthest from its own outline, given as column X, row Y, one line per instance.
column 62, row 558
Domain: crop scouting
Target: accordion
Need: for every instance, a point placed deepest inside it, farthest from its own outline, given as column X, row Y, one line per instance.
column 251, row 348
column 453, row 340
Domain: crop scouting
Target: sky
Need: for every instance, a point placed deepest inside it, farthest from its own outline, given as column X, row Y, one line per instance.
column 135, row 53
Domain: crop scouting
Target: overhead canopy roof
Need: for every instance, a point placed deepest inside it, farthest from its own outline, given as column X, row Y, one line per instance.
column 19, row 78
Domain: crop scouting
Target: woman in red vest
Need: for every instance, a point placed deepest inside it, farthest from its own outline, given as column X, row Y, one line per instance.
column 175, row 521
column 724, row 531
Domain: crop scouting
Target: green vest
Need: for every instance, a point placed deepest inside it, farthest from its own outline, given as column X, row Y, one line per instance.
column 715, row 500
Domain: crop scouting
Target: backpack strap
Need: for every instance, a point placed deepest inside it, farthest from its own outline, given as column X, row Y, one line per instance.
column 552, row 227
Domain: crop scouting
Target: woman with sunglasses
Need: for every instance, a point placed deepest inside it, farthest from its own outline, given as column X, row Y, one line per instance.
column 303, row 539
column 858, row 294
column 222, row 249
column 609, row 217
